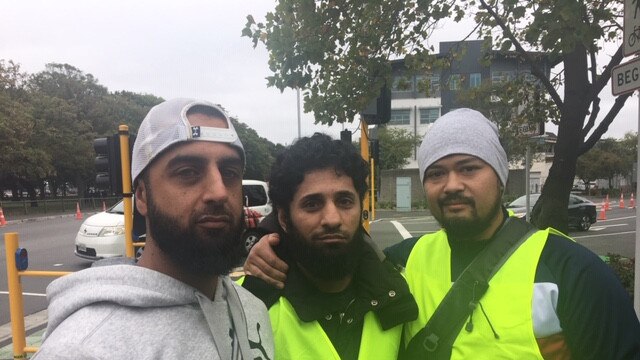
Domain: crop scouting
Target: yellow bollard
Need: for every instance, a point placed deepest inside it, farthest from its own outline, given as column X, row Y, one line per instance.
column 16, row 308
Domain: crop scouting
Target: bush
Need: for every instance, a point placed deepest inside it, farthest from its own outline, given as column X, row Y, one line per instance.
column 624, row 268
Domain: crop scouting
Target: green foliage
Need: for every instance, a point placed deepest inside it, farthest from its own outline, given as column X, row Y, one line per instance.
column 48, row 122
column 339, row 51
column 259, row 151
column 624, row 269
column 396, row 147
column 608, row 158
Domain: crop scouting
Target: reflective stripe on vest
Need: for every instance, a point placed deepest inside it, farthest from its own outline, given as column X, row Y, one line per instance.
column 507, row 303
column 298, row 340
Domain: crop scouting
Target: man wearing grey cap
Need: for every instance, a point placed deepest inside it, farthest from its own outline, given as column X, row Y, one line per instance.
column 546, row 296
column 178, row 301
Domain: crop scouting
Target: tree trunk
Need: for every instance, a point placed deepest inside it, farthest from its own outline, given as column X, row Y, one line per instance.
column 551, row 209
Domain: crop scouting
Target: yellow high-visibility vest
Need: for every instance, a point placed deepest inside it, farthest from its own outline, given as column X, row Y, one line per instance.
column 295, row 339
column 507, row 302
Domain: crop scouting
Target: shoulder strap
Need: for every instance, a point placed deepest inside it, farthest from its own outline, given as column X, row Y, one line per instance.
column 436, row 339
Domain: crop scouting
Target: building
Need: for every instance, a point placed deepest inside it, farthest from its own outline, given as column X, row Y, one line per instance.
column 419, row 98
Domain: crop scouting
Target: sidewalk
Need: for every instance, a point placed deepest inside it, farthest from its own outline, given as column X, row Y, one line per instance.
column 35, row 325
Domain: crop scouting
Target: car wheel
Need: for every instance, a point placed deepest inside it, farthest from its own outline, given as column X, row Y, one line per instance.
column 250, row 238
column 585, row 222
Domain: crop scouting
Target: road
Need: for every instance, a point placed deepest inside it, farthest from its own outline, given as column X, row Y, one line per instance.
column 615, row 235
column 50, row 244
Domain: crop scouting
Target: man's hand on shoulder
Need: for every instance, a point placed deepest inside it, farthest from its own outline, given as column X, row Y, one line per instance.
column 264, row 264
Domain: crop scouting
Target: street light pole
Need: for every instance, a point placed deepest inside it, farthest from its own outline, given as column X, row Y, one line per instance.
column 527, row 182
column 299, row 115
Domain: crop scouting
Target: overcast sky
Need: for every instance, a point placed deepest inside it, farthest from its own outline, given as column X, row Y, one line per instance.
column 187, row 48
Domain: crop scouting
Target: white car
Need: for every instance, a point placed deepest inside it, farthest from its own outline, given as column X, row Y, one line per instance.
column 256, row 196
column 102, row 235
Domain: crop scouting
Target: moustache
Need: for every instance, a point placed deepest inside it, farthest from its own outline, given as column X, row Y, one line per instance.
column 455, row 198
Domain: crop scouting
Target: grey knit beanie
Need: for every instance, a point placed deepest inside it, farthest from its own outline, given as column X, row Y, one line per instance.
column 463, row 131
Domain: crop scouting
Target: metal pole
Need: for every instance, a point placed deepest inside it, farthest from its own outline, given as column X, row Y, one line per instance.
column 636, row 288
column 364, row 150
column 373, row 189
column 16, row 307
column 299, row 114
column 123, row 131
column 527, row 181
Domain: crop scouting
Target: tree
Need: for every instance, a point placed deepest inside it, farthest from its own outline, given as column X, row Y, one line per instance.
column 22, row 165
column 339, row 51
column 259, row 152
column 396, row 146
column 608, row 158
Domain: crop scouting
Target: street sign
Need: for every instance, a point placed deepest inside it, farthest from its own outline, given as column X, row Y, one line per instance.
column 625, row 77
column 631, row 27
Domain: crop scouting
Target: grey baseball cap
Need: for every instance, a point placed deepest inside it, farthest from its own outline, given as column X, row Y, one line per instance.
column 166, row 124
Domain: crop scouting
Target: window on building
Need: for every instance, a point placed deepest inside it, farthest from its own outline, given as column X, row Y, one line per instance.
column 428, row 85
column 454, row 82
column 475, row 79
column 501, row 76
column 429, row 115
column 400, row 117
column 402, row 84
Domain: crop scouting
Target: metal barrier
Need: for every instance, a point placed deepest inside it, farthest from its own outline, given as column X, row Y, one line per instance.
column 16, row 306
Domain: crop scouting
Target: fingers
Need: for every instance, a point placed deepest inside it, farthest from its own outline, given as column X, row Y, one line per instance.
column 263, row 263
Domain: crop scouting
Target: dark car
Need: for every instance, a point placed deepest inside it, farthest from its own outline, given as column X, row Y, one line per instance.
column 581, row 211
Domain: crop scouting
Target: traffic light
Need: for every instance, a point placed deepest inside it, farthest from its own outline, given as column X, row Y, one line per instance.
column 107, row 162
column 345, row 135
column 378, row 111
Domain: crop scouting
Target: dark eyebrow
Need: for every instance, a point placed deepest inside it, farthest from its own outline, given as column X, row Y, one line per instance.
column 230, row 161
column 200, row 160
column 186, row 159
column 345, row 193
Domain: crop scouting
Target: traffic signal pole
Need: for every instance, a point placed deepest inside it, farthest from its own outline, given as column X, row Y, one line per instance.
column 364, row 150
column 127, row 195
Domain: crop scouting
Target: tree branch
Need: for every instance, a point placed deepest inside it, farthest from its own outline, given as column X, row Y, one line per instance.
column 604, row 124
column 535, row 69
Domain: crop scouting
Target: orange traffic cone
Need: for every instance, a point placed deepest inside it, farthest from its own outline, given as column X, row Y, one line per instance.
column 104, row 206
column 78, row 213
column 621, row 201
column 632, row 202
column 3, row 221
column 606, row 203
column 603, row 214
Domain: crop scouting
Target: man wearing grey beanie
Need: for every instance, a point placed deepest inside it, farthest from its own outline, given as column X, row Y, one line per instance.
column 547, row 297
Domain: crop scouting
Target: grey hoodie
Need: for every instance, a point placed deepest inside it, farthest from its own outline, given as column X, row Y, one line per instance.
column 130, row 312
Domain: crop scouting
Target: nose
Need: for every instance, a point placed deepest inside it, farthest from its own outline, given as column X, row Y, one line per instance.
column 453, row 183
column 331, row 216
column 215, row 189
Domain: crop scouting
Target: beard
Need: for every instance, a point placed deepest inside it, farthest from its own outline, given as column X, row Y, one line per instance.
column 466, row 228
column 325, row 261
column 199, row 252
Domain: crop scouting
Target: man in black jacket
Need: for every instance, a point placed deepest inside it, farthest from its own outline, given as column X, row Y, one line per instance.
column 339, row 299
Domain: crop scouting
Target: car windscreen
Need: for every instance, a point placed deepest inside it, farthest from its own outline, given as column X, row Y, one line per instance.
column 117, row 208
column 522, row 201
column 255, row 195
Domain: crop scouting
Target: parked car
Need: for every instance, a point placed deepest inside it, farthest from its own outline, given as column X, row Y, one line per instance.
column 102, row 235
column 581, row 211
column 256, row 196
